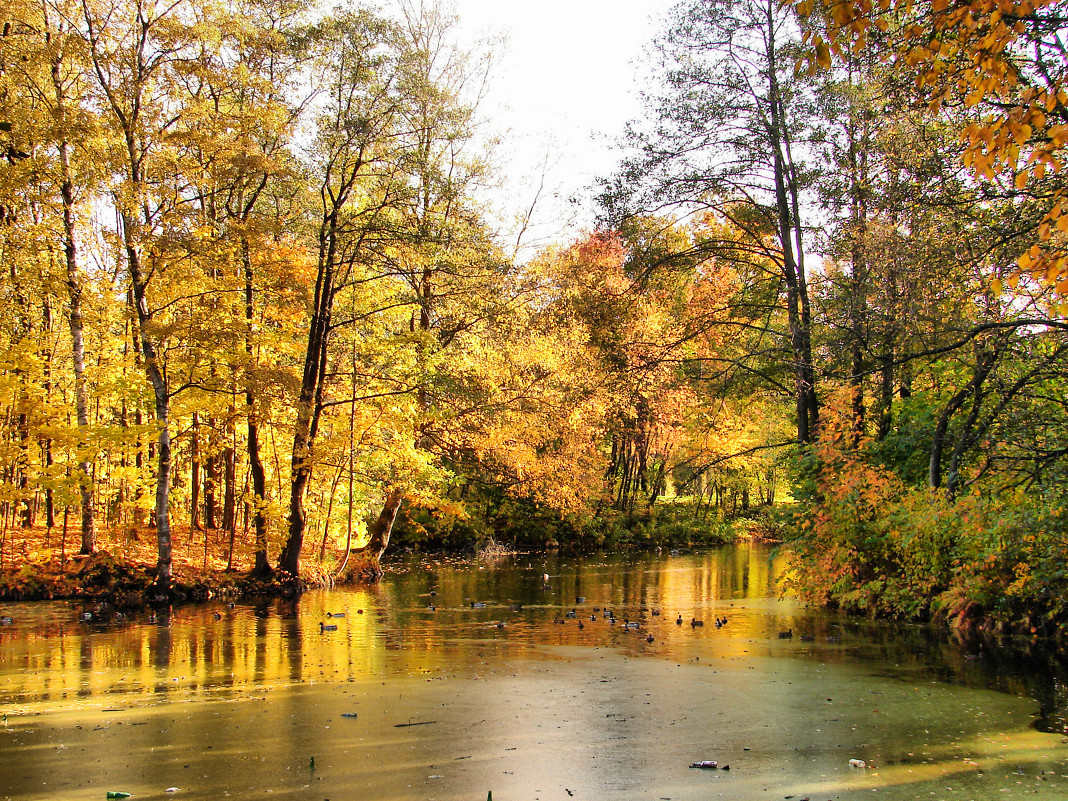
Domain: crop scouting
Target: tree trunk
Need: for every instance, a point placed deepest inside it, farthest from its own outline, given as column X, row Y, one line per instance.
column 161, row 396
column 858, row 307
column 368, row 557
column 76, row 321
column 985, row 360
column 229, row 516
column 262, row 565
column 194, row 476
column 304, row 432
column 799, row 315
column 211, row 481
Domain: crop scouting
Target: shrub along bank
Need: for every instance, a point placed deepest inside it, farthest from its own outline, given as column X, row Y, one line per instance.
column 864, row 540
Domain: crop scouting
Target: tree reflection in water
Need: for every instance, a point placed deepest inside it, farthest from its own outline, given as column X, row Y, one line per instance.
column 238, row 700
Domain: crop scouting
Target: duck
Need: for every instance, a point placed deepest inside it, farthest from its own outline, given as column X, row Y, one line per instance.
column 807, row 638
column 678, row 622
column 786, row 635
column 649, row 638
column 431, row 608
column 695, row 623
column 6, row 621
column 335, row 614
column 327, row 627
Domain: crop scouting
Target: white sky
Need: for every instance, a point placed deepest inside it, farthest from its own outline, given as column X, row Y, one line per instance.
column 564, row 86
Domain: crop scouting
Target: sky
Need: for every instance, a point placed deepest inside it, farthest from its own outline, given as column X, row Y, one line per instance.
column 564, row 85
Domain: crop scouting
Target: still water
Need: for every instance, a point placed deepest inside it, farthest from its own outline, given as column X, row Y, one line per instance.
column 454, row 679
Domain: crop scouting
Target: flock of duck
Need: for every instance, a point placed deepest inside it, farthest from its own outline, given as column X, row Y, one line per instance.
column 605, row 614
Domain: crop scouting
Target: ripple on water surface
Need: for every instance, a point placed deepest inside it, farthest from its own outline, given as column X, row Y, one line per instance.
column 534, row 678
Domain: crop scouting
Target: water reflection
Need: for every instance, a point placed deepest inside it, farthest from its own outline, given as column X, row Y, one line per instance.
column 517, row 682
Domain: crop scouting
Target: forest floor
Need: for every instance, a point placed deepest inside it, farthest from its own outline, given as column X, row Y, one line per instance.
column 37, row 564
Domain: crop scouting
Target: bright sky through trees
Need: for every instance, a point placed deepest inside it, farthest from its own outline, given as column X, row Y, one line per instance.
column 564, row 86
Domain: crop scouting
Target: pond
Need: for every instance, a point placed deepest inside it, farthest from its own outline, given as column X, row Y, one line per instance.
column 536, row 677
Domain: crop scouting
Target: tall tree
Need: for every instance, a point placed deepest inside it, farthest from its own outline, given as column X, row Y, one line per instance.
column 354, row 160
column 138, row 53
column 727, row 135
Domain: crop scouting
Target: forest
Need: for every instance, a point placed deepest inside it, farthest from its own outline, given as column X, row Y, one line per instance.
column 251, row 291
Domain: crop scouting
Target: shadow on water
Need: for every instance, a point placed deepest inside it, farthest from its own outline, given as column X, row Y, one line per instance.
column 608, row 672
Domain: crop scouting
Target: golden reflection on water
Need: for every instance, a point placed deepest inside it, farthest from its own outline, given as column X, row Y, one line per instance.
column 421, row 620
column 466, row 677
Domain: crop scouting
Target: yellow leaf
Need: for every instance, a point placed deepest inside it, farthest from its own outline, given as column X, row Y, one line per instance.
column 823, row 54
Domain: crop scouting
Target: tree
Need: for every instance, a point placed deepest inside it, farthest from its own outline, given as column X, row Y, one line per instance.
column 726, row 137
column 357, row 166
column 1004, row 59
column 241, row 149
